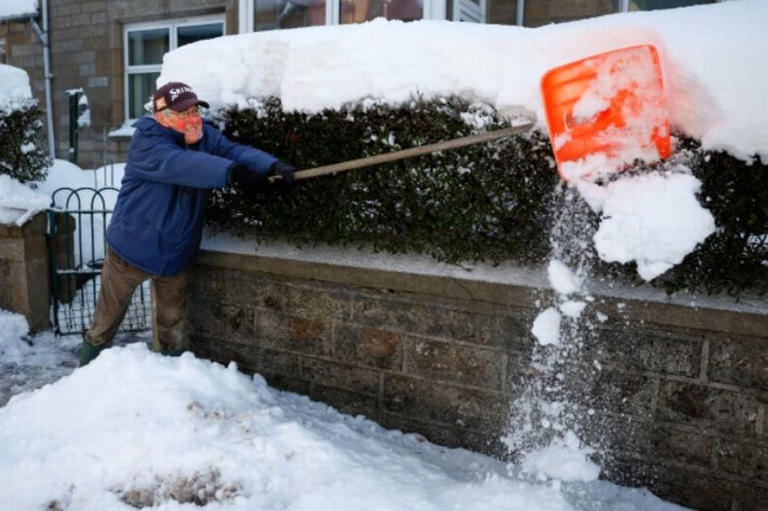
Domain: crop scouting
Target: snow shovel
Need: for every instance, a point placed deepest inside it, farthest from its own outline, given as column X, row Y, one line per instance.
column 609, row 106
column 409, row 153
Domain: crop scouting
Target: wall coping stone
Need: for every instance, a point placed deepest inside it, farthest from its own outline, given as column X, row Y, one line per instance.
column 503, row 285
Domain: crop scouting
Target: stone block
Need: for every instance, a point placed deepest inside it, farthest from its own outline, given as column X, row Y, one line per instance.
column 445, row 404
column 431, row 320
column 369, row 346
column 87, row 69
column 708, row 408
column 679, row 445
column 455, row 437
column 739, row 361
column 346, row 401
column 98, row 81
column 274, row 295
column 342, row 376
column 616, row 392
column 300, row 335
column 452, row 362
column 746, row 459
column 638, row 349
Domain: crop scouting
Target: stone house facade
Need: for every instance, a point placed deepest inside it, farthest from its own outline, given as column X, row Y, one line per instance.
column 113, row 49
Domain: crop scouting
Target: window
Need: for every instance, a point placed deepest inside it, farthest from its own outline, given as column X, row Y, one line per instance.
column 2, row 50
column 145, row 45
column 651, row 5
column 357, row 11
column 271, row 14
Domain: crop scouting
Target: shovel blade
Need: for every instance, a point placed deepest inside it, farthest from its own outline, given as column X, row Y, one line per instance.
column 605, row 111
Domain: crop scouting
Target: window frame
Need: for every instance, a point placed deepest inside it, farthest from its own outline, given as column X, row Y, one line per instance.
column 172, row 24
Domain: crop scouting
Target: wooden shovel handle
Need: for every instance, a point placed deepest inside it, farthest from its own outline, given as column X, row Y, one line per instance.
column 410, row 153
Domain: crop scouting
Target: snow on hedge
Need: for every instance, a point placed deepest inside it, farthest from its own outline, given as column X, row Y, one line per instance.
column 15, row 86
column 713, row 58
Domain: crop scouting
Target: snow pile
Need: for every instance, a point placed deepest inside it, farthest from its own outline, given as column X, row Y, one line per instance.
column 15, row 85
column 135, row 429
column 564, row 459
column 10, row 9
column 709, row 53
column 18, row 203
column 13, row 327
column 652, row 219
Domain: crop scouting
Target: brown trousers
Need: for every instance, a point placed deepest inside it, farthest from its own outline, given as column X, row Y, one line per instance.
column 119, row 279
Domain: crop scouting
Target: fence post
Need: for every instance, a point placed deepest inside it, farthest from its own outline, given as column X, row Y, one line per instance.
column 24, row 267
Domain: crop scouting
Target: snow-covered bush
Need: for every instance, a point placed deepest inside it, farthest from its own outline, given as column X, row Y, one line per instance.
column 22, row 154
column 491, row 202
column 22, row 148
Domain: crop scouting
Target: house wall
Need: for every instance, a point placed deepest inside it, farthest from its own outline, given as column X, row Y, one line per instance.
column 680, row 397
column 87, row 53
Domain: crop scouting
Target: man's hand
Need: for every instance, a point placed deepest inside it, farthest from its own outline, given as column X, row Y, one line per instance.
column 281, row 175
column 248, row 180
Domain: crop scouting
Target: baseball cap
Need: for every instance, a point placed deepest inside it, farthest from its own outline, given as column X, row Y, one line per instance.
column 177, row 96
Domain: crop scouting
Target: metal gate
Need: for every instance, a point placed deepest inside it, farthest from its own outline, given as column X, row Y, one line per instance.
column 77, row 226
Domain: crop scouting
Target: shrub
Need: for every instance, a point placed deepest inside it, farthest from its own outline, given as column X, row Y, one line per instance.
column 22, row 148
column 489, row 202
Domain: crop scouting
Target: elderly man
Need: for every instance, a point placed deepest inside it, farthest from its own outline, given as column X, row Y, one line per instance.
column 174, row 160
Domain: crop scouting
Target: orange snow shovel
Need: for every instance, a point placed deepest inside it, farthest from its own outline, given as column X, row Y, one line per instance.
column 610, row 106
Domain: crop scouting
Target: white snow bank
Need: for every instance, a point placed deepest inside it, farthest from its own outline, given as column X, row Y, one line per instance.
column 653, row 219
column 712, row 57
column 10, row 9
column 563, row 280
column 18, row 203
column 15, row 85
column 136, row 425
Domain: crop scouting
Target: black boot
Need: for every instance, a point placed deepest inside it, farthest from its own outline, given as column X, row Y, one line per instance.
column 89, row 351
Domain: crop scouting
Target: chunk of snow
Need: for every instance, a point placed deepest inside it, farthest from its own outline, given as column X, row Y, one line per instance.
column 546, row 327
column 572, row 308
column 654, row 220
column 562, row 278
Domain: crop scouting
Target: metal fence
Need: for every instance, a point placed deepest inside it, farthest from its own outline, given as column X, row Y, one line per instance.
column 77, row 226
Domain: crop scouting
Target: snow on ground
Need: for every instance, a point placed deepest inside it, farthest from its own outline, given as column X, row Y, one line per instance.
column 713, row 60
column 135, row 429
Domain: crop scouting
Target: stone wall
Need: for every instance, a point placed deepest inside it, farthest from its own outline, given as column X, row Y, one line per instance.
column 681, row 394
column 24, row 271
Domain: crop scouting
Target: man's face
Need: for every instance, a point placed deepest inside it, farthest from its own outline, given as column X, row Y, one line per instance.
column 187, row 122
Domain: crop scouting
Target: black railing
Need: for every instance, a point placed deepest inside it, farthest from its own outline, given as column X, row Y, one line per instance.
column 77, row 227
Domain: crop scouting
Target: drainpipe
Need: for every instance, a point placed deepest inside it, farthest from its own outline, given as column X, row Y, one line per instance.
column 44, row 37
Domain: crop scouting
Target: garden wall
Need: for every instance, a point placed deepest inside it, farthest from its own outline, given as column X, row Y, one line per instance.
column 681, row 394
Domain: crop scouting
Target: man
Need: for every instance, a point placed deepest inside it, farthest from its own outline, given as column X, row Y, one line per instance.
column 173, row 162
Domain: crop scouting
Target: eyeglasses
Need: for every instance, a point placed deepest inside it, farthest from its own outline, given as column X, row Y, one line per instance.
column 189, row 112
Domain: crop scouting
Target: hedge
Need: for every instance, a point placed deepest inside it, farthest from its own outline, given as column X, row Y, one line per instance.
column 492, row 202
column 22, row 148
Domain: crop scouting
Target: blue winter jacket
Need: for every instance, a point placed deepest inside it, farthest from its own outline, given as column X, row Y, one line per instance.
column 157, row 222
